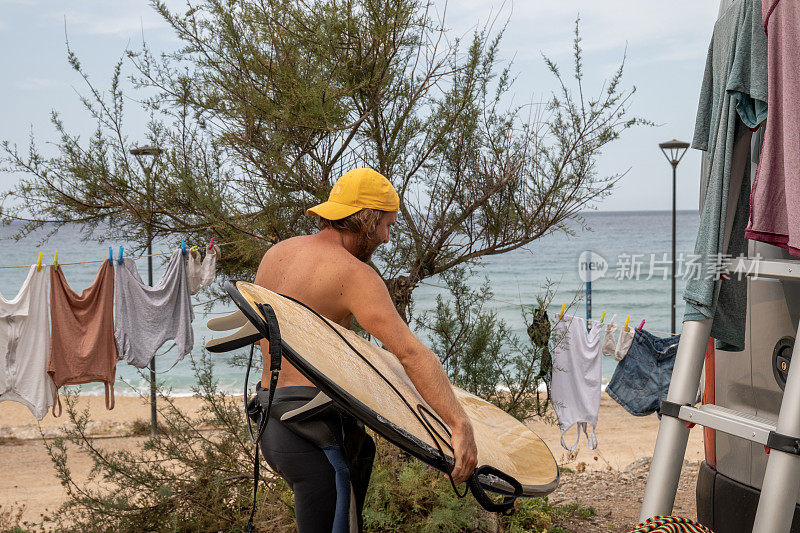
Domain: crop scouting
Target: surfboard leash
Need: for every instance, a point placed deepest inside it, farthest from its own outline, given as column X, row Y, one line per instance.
column 274, row 340
column 506, row 506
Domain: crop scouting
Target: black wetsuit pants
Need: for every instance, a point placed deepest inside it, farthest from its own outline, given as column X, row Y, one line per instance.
column 307, row 469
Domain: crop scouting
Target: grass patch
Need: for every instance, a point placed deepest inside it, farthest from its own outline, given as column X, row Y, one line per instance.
column 538, row 515
column 11, row 518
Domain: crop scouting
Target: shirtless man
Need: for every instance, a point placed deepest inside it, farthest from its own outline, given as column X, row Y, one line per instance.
column 329, row 272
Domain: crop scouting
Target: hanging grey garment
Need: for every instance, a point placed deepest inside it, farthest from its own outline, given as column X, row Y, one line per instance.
column 705, row 161
column 202, row 274
column 147, row 317
column 732, row 100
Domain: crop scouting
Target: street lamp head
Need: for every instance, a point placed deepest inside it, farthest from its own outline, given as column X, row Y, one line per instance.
column 676, row 150
column 143, row 152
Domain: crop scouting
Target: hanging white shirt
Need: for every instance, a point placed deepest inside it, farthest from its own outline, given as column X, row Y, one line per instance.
column 577, row 373
column 25, row 345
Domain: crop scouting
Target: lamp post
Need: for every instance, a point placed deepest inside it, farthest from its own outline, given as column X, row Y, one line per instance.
column 142, row 154
column 674, row 151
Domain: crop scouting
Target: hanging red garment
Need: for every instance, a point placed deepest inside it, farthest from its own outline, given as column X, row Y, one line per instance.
column 775, row 199
column 82, row 345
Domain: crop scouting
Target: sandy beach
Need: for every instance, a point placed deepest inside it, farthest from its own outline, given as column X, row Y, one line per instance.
column 28, row 477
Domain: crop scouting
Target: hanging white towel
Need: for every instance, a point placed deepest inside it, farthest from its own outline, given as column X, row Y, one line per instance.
column 576, row 378
column 147, row 317
column 25, row 345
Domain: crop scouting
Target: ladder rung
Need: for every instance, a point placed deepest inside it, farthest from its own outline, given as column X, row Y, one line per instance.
column 789, row 269
column 736, row 423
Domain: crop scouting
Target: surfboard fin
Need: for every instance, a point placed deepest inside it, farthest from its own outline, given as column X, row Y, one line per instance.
column 314, row 406
column 224, row 323
column 244, row 336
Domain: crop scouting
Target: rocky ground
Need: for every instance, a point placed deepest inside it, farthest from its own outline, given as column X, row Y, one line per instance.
column 616, row 496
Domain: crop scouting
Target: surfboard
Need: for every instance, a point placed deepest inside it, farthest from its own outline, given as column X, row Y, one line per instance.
column 370, row 383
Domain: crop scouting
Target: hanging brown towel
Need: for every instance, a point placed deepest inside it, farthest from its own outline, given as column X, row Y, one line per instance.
column 82, row 345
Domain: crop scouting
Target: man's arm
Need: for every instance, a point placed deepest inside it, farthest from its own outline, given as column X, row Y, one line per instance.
column 368, row 299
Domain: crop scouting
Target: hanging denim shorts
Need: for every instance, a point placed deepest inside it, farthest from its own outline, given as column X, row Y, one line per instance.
column 641, row 380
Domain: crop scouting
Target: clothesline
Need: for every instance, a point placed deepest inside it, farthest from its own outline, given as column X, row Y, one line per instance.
column 137, row 257
column 523, row 306
column 243, row 240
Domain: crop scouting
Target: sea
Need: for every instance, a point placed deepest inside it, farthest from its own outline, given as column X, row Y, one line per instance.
column 630, row 258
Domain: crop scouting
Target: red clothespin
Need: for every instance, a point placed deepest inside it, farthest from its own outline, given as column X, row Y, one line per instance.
column 641, row 325
column 211, row 244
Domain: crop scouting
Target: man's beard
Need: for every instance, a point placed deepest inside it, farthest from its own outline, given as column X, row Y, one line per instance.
column 366, row 244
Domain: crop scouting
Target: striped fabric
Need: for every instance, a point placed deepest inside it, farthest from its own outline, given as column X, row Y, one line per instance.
column 670, row 524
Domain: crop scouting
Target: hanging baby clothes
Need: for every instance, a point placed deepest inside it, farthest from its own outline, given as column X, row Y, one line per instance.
column 576, row 377
column 775, row 200
column 193, row 271
column 623, row 343
column 732, row 100
column 641, row 380
column 24, row 345
column 609, row 342
column 147, row 317
column 202, row 274
column 82, row 347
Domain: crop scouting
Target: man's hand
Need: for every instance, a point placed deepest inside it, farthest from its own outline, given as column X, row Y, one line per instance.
column 465, row 452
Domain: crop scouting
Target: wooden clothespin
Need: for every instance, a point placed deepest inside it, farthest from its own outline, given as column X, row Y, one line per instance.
column 641, row 325
column 627, row 319
column 39, row 262
column 563, row 308
column 603, row 317
column 55, row 261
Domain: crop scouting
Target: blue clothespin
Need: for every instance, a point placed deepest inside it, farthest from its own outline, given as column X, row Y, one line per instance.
column 110, row 255
column 183, row 246
column 120, row 255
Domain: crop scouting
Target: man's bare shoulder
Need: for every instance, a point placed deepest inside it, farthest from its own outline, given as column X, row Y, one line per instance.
column 287, row 244
column 307, row 250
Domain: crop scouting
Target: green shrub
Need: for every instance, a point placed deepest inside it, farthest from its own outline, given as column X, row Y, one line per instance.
column 407, row 495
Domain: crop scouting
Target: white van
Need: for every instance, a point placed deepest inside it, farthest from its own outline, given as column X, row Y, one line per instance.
column 730, row 478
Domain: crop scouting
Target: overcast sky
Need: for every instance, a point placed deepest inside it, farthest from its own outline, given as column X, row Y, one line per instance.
column 666, row 48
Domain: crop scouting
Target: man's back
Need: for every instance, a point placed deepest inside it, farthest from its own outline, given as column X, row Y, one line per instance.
column 316, row 272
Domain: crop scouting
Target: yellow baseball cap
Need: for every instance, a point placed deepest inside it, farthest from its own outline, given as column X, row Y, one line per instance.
column 355, row 190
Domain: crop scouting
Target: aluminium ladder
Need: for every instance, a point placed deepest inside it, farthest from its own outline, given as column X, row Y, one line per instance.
column 781, row 486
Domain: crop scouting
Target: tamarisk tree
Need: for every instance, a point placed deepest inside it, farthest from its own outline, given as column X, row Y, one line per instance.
column 267, row 102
